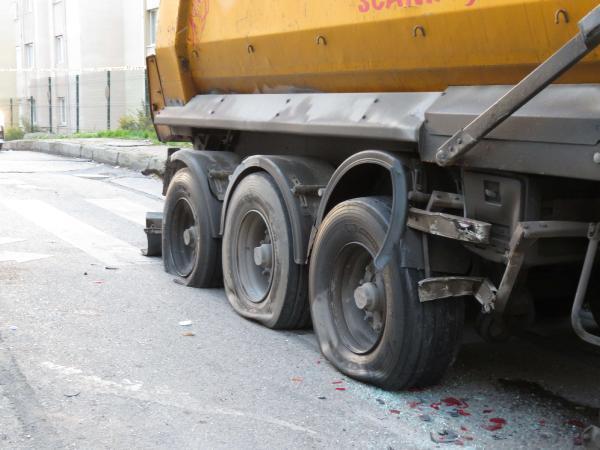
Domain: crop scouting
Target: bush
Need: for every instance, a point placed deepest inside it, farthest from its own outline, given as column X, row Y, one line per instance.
column 13, row 134
column 140, row 121
column 26, row 125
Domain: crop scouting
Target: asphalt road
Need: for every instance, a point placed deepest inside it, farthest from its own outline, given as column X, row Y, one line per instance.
column 92, row 354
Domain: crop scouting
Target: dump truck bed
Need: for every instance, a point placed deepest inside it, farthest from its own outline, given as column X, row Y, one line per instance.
column 252, row 46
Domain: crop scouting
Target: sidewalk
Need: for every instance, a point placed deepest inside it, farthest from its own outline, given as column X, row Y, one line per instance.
column 131, row 154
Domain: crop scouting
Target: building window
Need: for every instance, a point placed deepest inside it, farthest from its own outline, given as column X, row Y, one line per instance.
column 62, row 110
column 15, row 10
column 29, row 60
column 29, row 5
column 31, row 114
column 152, row 24
column 59, row 49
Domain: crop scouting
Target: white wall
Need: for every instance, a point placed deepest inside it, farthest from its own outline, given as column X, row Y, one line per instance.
column 8, row 60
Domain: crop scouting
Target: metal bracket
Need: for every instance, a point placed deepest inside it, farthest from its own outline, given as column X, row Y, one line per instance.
column 449, row 226
column 438, row 288
column 526, row 234
column 565, row 58
column 586, row 272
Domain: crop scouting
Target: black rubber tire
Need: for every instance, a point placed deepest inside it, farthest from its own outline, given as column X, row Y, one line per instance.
column 206, row 260
column 419, row 342
column 284, row 304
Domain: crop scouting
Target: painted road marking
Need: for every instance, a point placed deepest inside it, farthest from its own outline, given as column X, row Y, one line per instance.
column 5, row 240
column 101, row 246
column 122, row 207
column 20, row 257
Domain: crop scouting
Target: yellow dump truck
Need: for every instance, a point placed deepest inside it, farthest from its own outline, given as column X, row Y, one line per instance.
column 371, row 166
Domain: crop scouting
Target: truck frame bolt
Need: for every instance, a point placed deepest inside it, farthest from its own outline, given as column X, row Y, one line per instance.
column 597, row 158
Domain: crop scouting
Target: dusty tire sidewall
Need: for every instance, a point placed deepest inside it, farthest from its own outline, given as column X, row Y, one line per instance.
column 257, row 192
column 185, row 186
column 369, row 230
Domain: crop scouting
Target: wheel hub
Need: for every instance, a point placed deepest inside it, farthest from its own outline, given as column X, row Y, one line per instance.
column 255, row 257
column 183, row 236
column 190, row 237
column 367, row 297
column 359, row 298
column 263, row 256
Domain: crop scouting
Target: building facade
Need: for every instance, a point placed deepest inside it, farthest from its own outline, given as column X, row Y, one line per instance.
column 8, row 63
column 80, row 63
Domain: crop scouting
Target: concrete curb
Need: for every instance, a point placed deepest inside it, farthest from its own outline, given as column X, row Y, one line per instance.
column 134, row 158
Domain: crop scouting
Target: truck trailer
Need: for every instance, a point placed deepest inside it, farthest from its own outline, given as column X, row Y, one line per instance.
column 368, row 167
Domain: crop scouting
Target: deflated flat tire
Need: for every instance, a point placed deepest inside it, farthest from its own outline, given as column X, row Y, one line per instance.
column 262, row 281
column 189, row 250
column 369, row 325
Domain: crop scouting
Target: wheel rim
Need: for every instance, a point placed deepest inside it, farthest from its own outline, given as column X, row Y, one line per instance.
column 184, row 238
column 357, row 299
column 254, row 257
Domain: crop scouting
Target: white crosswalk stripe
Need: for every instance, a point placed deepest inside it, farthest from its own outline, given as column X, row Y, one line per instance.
column 19, row 257
column 101, row 246
column 5, row 240
column 122, row 207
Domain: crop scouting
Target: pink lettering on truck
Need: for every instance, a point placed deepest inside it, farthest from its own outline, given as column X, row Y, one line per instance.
column 379, row 5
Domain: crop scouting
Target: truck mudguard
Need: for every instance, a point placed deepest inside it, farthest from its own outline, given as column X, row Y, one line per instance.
column 212, row 169
column 399, row 180
column 299, row 180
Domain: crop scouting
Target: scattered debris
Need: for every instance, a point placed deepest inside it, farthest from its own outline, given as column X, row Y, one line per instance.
column 340, row 389
column 98, row 282
column 591, row 437
column 85, row 274
column 71, row 394
column 488, row 411
column 186, row 323
column 13, row 328
column 322, row 398
column 111, row 268
column 380, row 401
column 496, row 424
column 394, row 411
column 297, row 379
column 189, row 334
column 444, row 437
column 425, row 418
column 575, row 423
column 452, row 401
column 337, row 382
column 414, row 404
